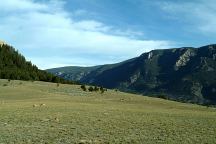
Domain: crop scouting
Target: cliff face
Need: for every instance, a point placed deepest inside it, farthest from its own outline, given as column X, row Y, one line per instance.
column 184, row 74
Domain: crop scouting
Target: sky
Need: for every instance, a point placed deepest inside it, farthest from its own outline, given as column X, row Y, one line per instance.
column 57, row 33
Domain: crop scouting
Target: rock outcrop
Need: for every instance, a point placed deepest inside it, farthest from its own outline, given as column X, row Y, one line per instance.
column 185, row 58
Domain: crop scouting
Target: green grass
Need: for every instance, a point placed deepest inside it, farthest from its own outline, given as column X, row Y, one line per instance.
column 71, row 115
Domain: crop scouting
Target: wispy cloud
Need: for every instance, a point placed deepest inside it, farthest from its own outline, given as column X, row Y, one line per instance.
column 42, row 30
column 200, row 14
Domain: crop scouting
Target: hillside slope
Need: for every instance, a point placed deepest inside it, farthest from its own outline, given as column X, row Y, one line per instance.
column 41, row 112
column 14, row 66
column 183, row 74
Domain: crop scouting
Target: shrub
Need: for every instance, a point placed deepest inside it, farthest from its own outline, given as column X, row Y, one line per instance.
column 58, row 84
column 102, row 90
column 163, row 97
column 91, row 89
column 83, row 87
column 5, row 85
column 96, row 88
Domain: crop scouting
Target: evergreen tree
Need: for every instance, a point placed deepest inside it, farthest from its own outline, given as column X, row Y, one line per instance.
column 14, row 66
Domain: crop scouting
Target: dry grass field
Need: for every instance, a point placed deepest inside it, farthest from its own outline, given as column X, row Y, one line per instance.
column 39, row 112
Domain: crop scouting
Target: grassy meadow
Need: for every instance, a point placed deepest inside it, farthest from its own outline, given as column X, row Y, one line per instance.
column 39, row 112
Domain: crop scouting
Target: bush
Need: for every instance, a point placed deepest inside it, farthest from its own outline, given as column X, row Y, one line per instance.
column 163, row 97
column 58, row 84
column 83, row 87
column 96, row 88
column 102, row 90
column 5, row 85
column 91, row 89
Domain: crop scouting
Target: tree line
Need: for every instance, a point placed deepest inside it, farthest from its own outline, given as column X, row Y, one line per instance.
column 93, row 89
column 15, row 67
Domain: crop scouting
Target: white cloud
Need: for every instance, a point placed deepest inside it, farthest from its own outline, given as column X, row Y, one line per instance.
column 41, row 30
column 21, row 5
column 199, row 14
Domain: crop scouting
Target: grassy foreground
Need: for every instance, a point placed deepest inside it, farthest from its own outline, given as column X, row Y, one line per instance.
column 69, row 115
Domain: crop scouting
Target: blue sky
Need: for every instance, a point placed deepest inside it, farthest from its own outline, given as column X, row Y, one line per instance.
column 55, row 33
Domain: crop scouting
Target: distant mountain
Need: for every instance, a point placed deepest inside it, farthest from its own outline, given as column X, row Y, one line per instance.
column 183, row 74
column 14, row 66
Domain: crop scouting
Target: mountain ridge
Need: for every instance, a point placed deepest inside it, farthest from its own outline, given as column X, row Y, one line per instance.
column 184, row 74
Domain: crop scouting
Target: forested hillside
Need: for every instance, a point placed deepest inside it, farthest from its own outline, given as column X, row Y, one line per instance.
column 14, row 66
